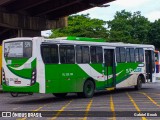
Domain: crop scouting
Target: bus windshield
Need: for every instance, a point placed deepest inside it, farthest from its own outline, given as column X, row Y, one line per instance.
column 18, row 49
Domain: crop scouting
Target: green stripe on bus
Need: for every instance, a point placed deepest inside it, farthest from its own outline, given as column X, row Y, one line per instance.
column 24, row 73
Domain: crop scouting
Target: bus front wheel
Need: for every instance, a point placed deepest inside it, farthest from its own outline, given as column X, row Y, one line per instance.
column 139, row 83
column 88, row 89
column 14, row 94
column 60, row 95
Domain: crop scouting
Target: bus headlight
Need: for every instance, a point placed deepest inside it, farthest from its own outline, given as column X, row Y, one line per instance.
column 33, row 79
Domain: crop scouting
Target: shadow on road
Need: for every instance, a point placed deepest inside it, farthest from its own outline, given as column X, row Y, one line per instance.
column 52, row 99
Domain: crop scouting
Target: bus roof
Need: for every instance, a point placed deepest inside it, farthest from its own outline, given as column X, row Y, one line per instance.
column 18, row 38
column 73, row 38
column 112, row 44
column 82, row 41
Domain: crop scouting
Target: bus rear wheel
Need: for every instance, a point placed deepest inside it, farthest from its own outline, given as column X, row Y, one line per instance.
column 60, row 95
column 139, row 83
column 14, row 94
column 88, row 89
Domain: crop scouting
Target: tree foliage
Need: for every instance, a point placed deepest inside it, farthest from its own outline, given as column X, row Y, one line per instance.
column 82, row 26
column 125, row 27
column 154, row 34
column 128, row 27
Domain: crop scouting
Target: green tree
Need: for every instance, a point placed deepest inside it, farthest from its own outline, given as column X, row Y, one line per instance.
column 129, row 28
column 82, row 26
column 140, row 27
column 154, row 34
column 120, row 27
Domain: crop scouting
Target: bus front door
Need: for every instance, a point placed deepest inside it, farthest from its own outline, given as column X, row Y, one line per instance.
column 109, row 57
column 150, row 65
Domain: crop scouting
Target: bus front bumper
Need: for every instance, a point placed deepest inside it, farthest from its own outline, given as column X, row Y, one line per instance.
column 34, row 88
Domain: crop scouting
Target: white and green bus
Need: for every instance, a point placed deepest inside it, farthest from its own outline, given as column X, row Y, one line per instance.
column 74, row 65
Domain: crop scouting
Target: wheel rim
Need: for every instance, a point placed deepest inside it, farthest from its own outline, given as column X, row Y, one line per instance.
column 89, row 89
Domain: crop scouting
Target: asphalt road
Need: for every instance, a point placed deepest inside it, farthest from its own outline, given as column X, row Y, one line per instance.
column 122, row 104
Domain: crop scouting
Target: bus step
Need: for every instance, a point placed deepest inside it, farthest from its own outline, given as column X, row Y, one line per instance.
column 109, row 89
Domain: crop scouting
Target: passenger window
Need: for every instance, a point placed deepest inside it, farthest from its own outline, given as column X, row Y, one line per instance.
column 122, row 54
column 136, row 55
column 93, row 54
column 96, row 54
column 141, row 55
column 45, row 56
column 79, row 54
column 118, row 54
column 99, row 55
column 82, row 54
column 85, row 54
column 132, row 55
column 67, row 54
column 49, row 53
column 54, row 54
column 128, row 55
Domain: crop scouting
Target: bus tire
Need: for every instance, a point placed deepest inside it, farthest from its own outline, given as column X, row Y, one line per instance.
column 60, row 95
column 139, row 83
column 14, row 94
column 88, row 89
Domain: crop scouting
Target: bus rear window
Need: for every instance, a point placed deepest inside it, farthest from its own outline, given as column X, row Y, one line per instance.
column 18, row 49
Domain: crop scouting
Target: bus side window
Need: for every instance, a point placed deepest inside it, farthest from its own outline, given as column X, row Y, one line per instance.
column 71, row 54
column 128, row 58
column 99, row 55
column 85, row 53
column 118, row 54
column 136, row 55
column 67, row 54
column 93, row 54
column 79, row 54
column 82, row 54
column 45, row 50
column 96, row 54
column 123, row 54
column 54, row 54
column 132, row 55
column 141, row 55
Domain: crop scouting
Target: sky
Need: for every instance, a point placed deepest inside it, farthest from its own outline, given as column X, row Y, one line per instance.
column 148, row 8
